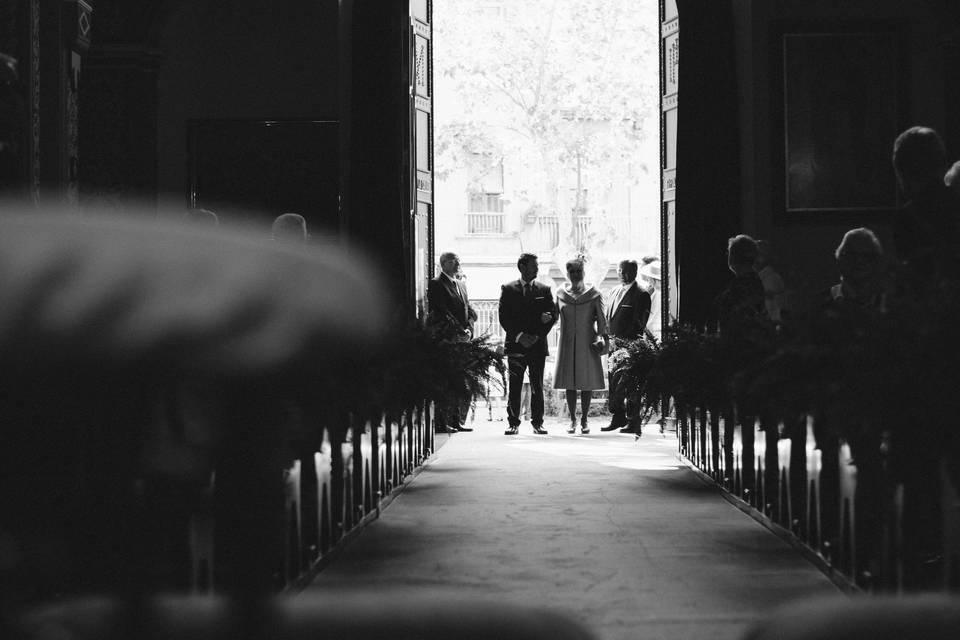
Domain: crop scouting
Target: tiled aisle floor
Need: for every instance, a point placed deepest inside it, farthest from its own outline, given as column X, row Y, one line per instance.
column 609, row 529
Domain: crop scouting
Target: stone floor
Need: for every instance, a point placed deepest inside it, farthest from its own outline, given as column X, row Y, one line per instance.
column 613, row 531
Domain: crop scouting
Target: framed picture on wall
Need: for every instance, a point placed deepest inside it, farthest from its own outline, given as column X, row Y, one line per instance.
column 841, row 112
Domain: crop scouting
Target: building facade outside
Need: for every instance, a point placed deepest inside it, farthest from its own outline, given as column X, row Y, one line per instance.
column 559, row 167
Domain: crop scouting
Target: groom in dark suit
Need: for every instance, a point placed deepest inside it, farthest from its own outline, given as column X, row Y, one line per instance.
column 627, row 313
column 450, row 310
column 527, row 314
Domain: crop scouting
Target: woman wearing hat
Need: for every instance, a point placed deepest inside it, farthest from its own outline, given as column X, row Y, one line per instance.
column 650, row 272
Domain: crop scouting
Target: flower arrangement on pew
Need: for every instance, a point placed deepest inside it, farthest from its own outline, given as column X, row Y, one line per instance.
column 842, row 366
column 417, row 364
column 634, row 360
column 686, row 367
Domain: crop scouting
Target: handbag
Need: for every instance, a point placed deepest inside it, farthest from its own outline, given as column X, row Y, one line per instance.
column 600, row 346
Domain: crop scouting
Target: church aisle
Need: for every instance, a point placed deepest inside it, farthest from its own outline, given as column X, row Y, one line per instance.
column 612, row 531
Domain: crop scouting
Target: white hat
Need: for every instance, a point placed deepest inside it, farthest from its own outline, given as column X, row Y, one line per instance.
column 651, row 270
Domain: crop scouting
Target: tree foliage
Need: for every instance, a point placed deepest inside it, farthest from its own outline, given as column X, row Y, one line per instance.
column 565, row 89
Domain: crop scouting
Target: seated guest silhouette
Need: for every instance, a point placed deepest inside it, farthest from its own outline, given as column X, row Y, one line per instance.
column 743, row 299
column 202, row 218
column 859, row 258
column 925, row 229
column 290, row 227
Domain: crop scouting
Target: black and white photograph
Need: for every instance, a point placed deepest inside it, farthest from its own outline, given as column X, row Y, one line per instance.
column 479, row 319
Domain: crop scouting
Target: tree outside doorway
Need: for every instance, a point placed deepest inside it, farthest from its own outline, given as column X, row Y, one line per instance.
column 546, row 135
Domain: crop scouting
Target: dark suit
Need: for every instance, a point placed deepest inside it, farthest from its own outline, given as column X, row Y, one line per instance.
column 449, row 303
column 627, row 315
column 450, row 309
column 520, row 313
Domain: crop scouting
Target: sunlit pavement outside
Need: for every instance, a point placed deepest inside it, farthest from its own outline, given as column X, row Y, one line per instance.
column 613, row 530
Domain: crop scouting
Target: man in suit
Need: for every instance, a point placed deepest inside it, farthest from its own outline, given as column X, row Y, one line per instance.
column 627, row 315
column 451, row 311
column 526, row 314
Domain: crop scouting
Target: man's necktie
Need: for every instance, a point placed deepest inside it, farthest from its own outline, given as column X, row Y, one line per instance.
column 527, row 289
column 617, row 299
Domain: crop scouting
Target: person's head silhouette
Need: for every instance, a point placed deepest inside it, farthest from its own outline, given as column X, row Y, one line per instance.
column 289, row 227
column 202, row 218
column 919, row 159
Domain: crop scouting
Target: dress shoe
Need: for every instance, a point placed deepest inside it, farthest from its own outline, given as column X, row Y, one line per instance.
column 511, row 431
column 631, row 428
column 539, row 430
column 614, row 425
column 463, row 428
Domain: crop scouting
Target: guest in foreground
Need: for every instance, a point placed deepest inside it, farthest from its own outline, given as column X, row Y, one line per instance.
column 526, row 314
column 583, row 337
column 627, row 320
column 925, row 229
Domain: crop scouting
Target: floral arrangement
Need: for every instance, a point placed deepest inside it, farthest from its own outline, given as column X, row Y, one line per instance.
column 415, row 364
column 867, row 375
column 685, row 366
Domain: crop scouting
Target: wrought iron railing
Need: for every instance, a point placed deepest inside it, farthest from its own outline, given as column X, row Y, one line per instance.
column 485, row 223
column 547, row 232
column 488, row 322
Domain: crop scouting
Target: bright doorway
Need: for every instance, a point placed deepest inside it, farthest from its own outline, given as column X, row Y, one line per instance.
column 546, row 137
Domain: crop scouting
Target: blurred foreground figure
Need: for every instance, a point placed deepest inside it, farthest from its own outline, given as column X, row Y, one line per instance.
column 202, row 218
column 135, row 291
column 140, row 356
column 289, row 227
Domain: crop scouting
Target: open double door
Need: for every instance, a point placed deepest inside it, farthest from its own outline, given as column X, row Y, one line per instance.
column 421, row 148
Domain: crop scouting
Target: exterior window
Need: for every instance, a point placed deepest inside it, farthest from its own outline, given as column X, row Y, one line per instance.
column 485, row 203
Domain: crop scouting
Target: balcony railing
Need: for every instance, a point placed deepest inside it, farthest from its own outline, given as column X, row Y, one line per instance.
column 547, row 232
column 485, row 224
column 488, row 322
column 581, row 231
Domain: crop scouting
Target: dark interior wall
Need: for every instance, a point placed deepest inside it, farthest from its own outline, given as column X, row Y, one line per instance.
column 241, row 59
column 805, row 246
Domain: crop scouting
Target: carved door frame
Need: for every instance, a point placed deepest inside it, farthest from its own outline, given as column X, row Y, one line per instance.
column 669, row 85
column 421, row 227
